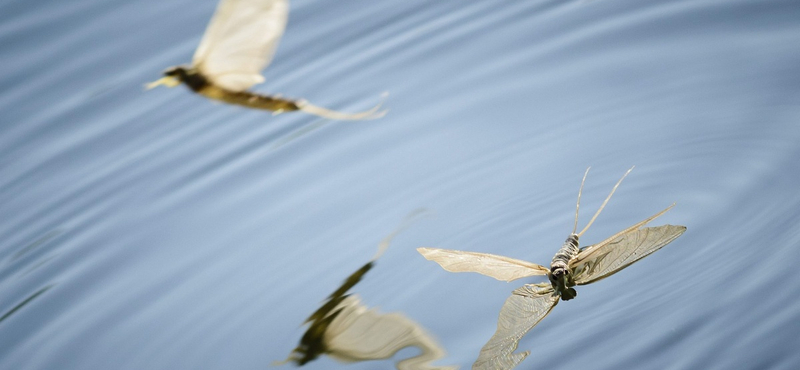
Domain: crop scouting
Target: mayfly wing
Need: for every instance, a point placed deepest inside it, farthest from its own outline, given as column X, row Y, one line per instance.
column 240, row 41
column 525, row 308
column 498, row 267
column 359, row 333
column 619, row 253
column 603, row 259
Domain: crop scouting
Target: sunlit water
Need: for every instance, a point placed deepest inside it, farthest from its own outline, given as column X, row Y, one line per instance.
column 158, row 230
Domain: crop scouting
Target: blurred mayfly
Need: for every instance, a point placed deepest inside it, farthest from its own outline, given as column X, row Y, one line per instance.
column 239, row 42
column 570, row 266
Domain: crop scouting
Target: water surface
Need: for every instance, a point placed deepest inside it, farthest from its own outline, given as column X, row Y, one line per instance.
column 158, row 230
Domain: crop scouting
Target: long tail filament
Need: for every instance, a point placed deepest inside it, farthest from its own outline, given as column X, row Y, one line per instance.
column 373, row 113
column 604, row 203
column 578, row 205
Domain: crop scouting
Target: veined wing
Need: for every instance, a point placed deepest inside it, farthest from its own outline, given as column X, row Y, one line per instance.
column 240, row 41
column 498, row 267
column 522, row 311
column 360, row 334
column 613, row 254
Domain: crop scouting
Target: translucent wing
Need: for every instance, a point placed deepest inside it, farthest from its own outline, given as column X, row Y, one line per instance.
column 359, row 334
column 522, row 311
column 498, row 267
column 240, row 41
column 613, row 254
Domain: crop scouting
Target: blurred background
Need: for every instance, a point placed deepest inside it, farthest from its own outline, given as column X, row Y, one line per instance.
column 159, row 230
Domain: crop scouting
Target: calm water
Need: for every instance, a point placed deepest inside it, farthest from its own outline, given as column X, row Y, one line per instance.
column 158, row 230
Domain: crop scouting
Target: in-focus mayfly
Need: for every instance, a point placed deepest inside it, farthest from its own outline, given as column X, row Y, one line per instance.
column 570, row 266
column 239, row 42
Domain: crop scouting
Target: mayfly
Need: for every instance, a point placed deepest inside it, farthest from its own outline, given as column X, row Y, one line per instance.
column 570, row 266
column 239, row 42
column 348, row 331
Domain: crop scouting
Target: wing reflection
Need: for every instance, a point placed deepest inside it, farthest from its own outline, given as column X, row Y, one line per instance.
column 347, row 330
column 524, row 309
column 358, row 333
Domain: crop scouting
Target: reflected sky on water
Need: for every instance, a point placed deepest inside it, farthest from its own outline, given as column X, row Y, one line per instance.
column 158, row 230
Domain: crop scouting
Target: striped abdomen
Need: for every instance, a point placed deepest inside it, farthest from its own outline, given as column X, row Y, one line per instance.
column 248, row 99
column 560, row 275
column 198, row 83
column 567, row 252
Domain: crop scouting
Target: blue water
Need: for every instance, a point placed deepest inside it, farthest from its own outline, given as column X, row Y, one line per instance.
column 158, row 230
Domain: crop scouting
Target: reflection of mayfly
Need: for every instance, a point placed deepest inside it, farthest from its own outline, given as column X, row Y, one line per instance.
column 239, row 42
column 349, row 331
column 571, row 266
